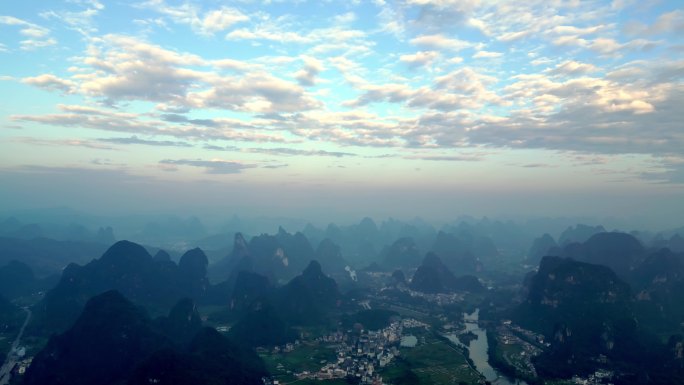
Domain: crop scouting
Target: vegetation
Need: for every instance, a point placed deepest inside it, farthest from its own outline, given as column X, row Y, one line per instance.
column 433, row 361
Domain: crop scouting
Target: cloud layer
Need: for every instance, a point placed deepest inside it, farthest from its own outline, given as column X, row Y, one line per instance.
column 436, row 76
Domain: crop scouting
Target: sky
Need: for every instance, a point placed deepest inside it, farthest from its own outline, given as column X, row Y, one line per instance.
column 431, row 108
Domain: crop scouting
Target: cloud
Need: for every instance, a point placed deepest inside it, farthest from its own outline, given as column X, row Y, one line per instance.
column 221, row 19
column 439, row 14
column 36, row 35
column 135, row 140
column 565, row 78
column 204, row 23
column 419, row 59
column 486, row 55
column 268, row 34
column 537, row 165
column 284, row 151
column 307, row 75
column 51, row 83
column 513, row 36
column 215, row 166
column 440, row 42
column 122, row 68
column 63, row 142
column 671, row 175
column 445, row 158
column 668, row 22
column 81, row 20
column 462, row 88
column 180, row 127
column 572, row 68
column 276, row 166
column 255, row 92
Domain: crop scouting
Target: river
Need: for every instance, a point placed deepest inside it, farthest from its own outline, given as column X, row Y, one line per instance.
column 478, row 351
column 12, row 358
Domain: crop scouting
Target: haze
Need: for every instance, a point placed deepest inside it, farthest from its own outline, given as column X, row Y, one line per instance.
column 428, row 108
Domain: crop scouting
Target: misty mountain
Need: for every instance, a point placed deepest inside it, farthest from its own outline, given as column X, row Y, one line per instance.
column 262, row 326
column 579, row 234
column 249, row 287
column 11, row 316
column 490, row 238
column 192, row 273
column 223, row 268
column 13, row 228
column 266, row 314
column 402, row 254
column 182, row 323
column 103, row 346
column 398, row 278
column 279, row 257
column 456, row 253
column 115, row 342
column 541, row 247
column 126, row 267
column 619, row 251
column 329, row 255
column 48, row 256
column 676, row 243
column 307, row 298
column 583, row 309
column 210, row 359
column 358, row 243
column 433, row 276
column 170, row 229
column 17, row 279
column 659, row 283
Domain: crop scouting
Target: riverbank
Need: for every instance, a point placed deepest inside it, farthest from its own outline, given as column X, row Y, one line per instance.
column 478, row 352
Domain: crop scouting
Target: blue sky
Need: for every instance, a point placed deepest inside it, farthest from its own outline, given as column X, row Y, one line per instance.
column 414, row 107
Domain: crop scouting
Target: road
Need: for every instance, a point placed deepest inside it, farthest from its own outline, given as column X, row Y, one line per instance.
column 11, row 360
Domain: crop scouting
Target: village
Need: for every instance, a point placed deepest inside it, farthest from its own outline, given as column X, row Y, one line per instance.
column 359, row 354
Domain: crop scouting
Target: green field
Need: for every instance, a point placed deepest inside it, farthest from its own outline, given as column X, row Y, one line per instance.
column 304, row 357
column 433, row 362
column 511, row 353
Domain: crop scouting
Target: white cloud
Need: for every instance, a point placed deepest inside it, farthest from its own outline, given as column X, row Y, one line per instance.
column 36, row 35
column 204, row 23
column 50, row 82
column 669, row 22
column 571, row 68
column 419, row 59
column 464, row 88
column 307, row 75
column 177, row 126
column 513, row 36
column 487, row 55
column 122, row 68
column 80, row 21
column 221, row 19
column 213, row 166
column 439, row 41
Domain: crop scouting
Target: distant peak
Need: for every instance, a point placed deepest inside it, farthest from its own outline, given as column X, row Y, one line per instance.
column 314, row 268
column 432, row 259
column 162, row 255
column 195, row 254
column 125, row 249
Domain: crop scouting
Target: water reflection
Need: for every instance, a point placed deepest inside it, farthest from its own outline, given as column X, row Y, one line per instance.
column 478, row 351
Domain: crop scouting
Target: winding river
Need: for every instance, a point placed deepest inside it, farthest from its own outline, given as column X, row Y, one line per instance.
column 478, row 351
